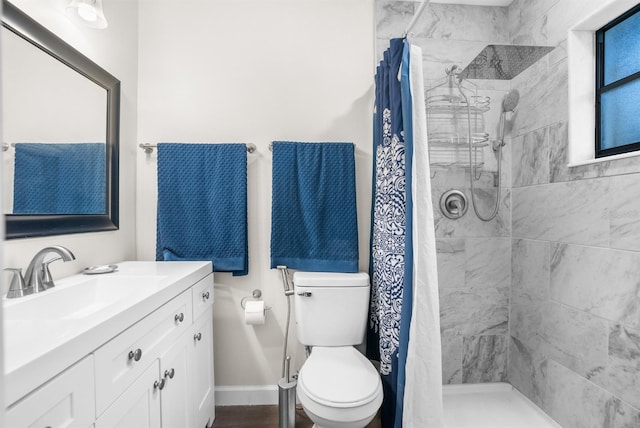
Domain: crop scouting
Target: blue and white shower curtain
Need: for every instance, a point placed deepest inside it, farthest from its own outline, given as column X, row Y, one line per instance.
column 404, row 319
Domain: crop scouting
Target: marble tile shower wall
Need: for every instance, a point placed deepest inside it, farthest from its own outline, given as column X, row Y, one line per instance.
column 574, row 345
column 473, row 256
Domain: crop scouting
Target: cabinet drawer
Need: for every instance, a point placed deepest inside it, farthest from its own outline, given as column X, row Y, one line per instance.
column 65, row 401
column 202, row 295
column 123, row 359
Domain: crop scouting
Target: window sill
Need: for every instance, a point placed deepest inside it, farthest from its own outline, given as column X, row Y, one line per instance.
column 604, row 159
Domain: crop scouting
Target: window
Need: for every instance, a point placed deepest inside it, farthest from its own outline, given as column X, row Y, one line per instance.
column 618, row 85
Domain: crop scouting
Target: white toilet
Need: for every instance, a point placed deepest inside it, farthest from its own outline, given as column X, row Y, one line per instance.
column 338, row 387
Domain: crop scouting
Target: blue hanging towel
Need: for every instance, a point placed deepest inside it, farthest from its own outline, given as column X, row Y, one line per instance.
column 202, row 205
column 52, row 178
column 313, row 210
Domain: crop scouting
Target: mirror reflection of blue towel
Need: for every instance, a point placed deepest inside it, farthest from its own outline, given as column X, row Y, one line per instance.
column 202, row 205
column 56, row 178
column 313, row 214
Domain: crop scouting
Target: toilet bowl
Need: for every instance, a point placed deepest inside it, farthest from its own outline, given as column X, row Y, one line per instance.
column 339, row 388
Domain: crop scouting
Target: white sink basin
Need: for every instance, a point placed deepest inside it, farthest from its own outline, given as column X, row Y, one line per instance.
column 81, row 297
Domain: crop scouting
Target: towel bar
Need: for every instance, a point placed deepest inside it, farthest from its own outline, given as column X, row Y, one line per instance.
column 148, row 147
column 271, row 147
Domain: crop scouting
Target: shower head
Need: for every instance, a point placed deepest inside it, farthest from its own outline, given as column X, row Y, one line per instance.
column 503, row 62
column 510, row 101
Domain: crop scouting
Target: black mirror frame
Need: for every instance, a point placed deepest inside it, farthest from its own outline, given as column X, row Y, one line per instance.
column 25, row 226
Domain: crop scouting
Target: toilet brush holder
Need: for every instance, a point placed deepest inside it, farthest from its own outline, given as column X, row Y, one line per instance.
column 287, row 403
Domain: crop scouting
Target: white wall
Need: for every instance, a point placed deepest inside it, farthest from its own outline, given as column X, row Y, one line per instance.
column 253, row 71
column 114, row 49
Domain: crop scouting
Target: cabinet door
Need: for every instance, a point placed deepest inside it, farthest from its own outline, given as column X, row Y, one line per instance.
column 64, row 402
column 202, row 376
column 138, row 406
column 175, row 399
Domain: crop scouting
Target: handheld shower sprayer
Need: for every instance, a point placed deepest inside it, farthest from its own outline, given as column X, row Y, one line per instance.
column 510, row 101
column 286, row 284
column 509, row 105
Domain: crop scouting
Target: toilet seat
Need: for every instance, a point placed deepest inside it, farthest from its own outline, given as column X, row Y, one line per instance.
column 339, row 377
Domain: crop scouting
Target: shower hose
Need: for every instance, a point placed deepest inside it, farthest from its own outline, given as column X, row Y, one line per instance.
column 472, row 167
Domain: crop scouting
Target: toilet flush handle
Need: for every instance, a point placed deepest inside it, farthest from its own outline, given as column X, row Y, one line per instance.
column 305, row 294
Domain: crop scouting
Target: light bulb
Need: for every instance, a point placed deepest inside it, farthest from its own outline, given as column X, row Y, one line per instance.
column 87, row 12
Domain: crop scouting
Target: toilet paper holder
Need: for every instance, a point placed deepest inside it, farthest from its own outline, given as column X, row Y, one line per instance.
column 257, row 294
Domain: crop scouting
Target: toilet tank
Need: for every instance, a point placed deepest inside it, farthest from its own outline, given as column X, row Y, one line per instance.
column 331, row 309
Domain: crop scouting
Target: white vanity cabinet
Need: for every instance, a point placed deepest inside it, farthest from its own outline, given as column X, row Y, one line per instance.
column 147, row 365
column 177, row 360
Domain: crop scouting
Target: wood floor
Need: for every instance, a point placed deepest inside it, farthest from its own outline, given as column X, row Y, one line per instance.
column 261, row 417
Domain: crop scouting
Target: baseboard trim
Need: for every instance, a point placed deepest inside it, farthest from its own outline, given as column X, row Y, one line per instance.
column 249, row 395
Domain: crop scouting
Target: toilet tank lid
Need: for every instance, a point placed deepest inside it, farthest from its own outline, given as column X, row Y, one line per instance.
column 330, row 279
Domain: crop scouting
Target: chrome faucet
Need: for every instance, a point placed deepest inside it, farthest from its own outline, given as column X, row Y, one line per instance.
column 38, row 277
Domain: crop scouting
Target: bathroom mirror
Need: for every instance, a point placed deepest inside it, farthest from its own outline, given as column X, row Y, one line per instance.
column 60, row 134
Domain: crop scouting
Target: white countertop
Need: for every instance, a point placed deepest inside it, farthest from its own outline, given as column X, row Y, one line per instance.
column 40, row 345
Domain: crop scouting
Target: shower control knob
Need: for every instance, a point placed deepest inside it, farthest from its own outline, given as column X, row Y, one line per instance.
column 179, row 317
column 135, row 355
column 453, row 204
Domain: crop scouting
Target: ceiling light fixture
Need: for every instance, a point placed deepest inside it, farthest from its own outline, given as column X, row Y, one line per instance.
column 87, row 12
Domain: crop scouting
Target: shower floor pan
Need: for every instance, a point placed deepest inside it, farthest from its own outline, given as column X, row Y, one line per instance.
column 491, row 405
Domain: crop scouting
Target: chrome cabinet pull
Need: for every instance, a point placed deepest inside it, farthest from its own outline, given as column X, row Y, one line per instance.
column 179, row 317
column 197, row 336
column 159, row 384
column 169, row 373
column 205, row 295
column 135, row 355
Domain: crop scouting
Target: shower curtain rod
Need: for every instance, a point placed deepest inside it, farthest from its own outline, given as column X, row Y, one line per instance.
column 416, row 16
column 148, row 147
